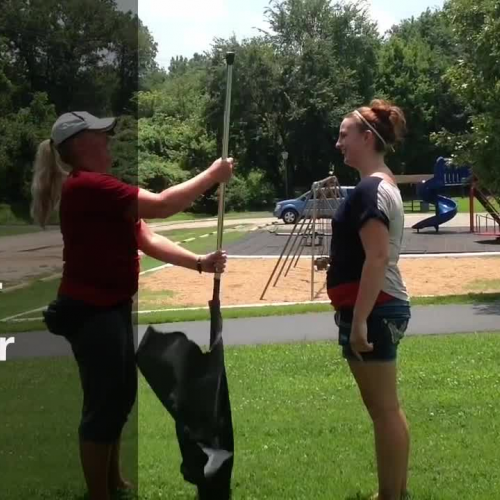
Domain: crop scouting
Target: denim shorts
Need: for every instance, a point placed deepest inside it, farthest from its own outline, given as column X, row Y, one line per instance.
column 386, row 326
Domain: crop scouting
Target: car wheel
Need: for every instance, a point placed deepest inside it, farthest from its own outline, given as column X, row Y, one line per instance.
column 290, row 216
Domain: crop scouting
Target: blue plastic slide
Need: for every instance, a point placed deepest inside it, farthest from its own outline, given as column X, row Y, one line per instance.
column 446, row 208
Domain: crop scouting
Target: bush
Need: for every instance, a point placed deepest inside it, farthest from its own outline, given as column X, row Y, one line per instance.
column 21, row 133
column 237, row 195
column 242, row 193
column 156, row 174
column 261, row 193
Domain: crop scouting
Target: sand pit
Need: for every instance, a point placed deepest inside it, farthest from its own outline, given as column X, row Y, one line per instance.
column 245, row 280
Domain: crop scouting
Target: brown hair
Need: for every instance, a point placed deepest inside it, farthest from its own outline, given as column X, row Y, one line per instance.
column 388, row 120
column 50, row 171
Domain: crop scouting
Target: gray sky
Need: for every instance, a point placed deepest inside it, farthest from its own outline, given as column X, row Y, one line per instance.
column 183, row 27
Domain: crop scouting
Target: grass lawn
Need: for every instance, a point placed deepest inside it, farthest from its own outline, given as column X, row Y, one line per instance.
column 36, row 295
column 196, row 232
column 184, row 216
column 41, row 406
column 463, row 206
column 187, row 216
column 198, row 246
column 300, row 430
column 481, row 285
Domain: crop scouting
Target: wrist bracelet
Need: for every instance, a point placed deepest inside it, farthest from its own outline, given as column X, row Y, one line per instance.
column 198, row 265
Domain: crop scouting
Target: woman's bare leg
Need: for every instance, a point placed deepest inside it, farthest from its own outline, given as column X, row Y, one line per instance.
column 377, row 383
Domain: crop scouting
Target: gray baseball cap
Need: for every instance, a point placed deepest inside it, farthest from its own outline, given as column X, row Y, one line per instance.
column 69, row 124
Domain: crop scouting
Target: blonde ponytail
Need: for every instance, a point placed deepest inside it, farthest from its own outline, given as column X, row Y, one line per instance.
column 48, row 178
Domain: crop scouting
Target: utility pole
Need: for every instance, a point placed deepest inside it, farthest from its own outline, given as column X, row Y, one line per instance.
column 284, row 155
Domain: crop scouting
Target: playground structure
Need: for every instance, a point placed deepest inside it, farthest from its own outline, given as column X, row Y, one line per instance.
column 491, row 221
column 313, row 227
column 314, row 231
column 446, row 175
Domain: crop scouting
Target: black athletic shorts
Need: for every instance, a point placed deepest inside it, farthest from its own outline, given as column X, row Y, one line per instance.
column 102, row 340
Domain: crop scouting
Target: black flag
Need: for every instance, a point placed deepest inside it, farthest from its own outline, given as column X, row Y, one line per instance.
column 192, row 386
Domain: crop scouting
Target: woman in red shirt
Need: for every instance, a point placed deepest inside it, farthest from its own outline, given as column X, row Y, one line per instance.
column 102, row 225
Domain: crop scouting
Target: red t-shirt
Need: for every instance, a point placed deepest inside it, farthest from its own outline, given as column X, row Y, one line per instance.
column 101, row 261
column 344, row 296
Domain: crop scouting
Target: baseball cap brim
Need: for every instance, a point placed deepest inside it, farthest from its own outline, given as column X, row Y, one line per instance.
column 103, row 124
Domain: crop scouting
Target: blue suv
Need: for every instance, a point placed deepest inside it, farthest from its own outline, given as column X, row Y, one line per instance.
column 290, row 210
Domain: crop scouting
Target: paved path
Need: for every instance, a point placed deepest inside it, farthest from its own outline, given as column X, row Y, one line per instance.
column 52, row 237
column 460, row 220
column 448, row 240
column 426, row 320
column 32, row 242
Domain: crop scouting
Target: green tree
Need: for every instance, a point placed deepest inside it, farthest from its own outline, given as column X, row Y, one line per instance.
column 21, row 132
column 293, row 85
column 173, row 141
column 329, row 65
column 413, row 62
column 84, row 54
column 475, row 80
column 57, row 56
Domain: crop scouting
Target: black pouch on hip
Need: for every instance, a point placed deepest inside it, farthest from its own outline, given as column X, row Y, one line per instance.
column 64, row 316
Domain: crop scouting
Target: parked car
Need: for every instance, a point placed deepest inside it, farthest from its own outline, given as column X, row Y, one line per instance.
column 290, row 210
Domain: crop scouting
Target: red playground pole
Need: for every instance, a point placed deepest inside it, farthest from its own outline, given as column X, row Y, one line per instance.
column 471, row 204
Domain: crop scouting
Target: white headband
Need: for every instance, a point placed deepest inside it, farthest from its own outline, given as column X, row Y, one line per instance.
column 371, row 127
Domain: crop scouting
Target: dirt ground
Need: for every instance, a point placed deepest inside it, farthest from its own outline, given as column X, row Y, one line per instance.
column 245, row 279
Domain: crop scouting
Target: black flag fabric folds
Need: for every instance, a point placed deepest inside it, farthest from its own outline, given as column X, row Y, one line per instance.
column 192, row 386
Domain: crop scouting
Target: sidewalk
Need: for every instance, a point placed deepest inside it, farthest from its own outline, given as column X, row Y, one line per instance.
column 52, row 238
column 426, row 320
